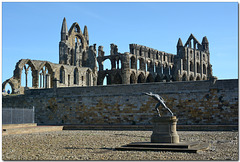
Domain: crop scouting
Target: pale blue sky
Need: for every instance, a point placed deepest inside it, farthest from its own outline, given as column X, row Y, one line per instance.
column 32, row 30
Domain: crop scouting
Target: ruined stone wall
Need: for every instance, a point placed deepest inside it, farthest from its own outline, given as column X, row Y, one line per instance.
column 198, row 102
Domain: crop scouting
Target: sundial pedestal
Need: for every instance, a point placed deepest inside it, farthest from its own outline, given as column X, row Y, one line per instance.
column 164, row 130
column 164, row 138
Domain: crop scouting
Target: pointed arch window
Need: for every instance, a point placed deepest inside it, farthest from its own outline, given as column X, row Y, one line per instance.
column 204, row 69
column 76, row 76
column 62, row 75
column 44, row 78
column 26, row 77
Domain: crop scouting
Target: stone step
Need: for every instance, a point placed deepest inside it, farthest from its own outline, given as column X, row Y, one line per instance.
column 187, row 147
column 9, row 126
column 162, row 145
column 33, row 129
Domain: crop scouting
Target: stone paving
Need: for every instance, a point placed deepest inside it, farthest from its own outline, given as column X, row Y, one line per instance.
column 99, row 145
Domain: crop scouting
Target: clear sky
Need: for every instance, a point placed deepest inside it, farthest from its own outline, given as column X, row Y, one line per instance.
column 32, row 30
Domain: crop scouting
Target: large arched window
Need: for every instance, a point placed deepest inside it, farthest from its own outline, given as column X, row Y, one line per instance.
column 7, row 89
column 26, row 77
column 62, row 75
column 132, row 78
column 150, row 78
column 184, row 64
column 142, row 65
column 119, row 64
column 107, row 80
column 117, row 79
column 141, row 78
column 184, row 77
column 76, row 76
column 149, row 53
column 133, row 63
column 204, row 69
column 44, row 78
column 157, row 78
column 191, row 66
column 88, row 78
column 198, row 68
column 107, row 65
column 191, row 78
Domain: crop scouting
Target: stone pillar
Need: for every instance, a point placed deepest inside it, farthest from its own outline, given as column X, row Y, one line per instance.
column 164, row 130
column 40, row 86
column 47, row 81
column 26, row 73
column 35, row 78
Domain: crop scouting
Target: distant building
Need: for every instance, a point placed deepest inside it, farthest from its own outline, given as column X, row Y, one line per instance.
column 78, row 64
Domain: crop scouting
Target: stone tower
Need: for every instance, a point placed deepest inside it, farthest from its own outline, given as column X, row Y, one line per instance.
column 193, row 60
column 74, row 49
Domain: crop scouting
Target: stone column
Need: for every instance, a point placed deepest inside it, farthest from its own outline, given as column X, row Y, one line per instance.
column 164, row 130
column 26, row 73
column 47, row 81
column 35, row 78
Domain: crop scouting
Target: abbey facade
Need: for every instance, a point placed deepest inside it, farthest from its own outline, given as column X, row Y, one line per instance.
column 82, row 65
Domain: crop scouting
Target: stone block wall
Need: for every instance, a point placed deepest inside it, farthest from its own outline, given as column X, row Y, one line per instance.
column 197, row 102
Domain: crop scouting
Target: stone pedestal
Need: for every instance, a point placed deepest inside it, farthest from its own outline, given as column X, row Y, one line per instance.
column 164, row 130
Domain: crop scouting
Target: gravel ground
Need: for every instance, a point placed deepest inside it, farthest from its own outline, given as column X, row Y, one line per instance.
column 99, row 145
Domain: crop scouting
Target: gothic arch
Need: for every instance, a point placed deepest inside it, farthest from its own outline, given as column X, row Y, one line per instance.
column 88, row 77
column 47, row 64
column 119, row 63
column 142, row 64
column 141, row 78
column 198, row 78
column 156, row 69
column 191, row 78
column 73, row 27
column 104, row 77
column 184, row 77
column 191, row 66
column 117, row 79
column 204, row 69
column 107, row 64
column 62, row 75
column 72, row 34
column 28, row 72
column 24, row 62
column 198, row 68
column 133, row 63
column 150, row 78
column 45, row 70
column 151, row 66
column 76, row 76
column 184, row 64
column 132, row 78
column 165, row 78
column 158, row 78
column 10, row 82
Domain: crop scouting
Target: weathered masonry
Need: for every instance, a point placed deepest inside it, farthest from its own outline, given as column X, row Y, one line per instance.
column 199, row 102
column 81, row 64
column 144, row 64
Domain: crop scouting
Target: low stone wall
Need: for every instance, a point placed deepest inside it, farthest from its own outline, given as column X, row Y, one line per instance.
column 197, row 102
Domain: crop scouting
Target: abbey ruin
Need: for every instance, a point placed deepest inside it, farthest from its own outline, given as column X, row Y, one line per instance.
column 68, row 92
column 81, row 64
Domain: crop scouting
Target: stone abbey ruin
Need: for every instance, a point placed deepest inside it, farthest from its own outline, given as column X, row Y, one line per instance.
column 79, row 64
